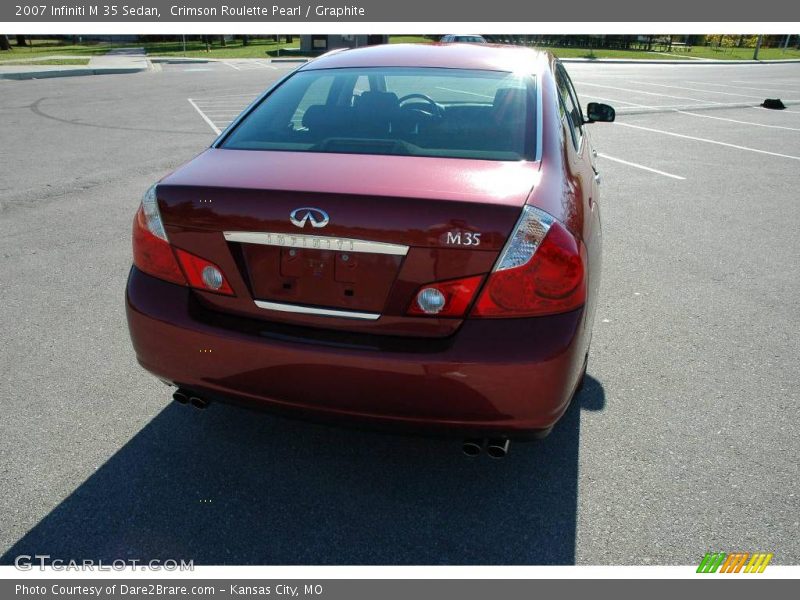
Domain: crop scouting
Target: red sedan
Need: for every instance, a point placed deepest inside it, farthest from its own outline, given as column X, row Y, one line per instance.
column 405, row 235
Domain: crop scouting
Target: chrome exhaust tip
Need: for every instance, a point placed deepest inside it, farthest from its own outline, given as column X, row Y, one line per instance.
column 472, row 447
column 180, row 396
column 498, row 448
column 199, row 402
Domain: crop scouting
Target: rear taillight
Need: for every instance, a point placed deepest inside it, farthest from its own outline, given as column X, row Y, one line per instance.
column 153, row 254
column 540, row 271
column 445, row 298
column 151, row 250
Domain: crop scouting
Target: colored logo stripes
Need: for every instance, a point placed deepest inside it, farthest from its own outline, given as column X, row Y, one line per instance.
column 734, row 562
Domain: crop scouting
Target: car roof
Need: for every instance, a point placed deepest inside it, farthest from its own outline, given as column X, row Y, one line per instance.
column 489, row 57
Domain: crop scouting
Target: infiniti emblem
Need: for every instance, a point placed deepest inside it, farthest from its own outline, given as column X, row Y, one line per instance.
column 315, row 216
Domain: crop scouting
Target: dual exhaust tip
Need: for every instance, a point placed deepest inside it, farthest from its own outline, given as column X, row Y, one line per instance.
column 495, row 447
column 182, row 396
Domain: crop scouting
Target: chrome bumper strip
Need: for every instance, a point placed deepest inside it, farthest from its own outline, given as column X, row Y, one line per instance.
column 322, row 312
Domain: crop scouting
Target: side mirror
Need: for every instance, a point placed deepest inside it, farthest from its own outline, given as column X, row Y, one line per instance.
column 599, row 112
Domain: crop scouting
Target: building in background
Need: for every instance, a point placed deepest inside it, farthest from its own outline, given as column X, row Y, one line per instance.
column 317, row 44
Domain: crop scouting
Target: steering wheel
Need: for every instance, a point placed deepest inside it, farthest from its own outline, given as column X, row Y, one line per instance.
column 436, row 109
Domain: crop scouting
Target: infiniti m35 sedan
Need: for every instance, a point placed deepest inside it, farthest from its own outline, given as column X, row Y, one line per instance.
column 403, row 235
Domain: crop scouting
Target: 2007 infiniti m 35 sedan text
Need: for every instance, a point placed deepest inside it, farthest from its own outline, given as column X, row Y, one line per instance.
column 405, row 235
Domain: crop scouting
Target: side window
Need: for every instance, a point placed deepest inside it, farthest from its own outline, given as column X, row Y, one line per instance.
column 563, row 112
column 316, row 93
column 578, row 114
column 571, row 107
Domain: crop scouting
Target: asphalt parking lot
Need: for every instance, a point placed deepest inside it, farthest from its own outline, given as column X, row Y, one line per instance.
column 683, row 441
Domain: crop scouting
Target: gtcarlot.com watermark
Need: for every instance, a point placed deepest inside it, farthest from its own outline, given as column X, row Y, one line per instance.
column 27, row 562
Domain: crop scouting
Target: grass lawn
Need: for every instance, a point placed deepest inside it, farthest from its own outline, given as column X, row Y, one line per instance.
column 604, row 53
column 257, row 48
column 47, row 61
column 233, row 49
column 409, row 39
column 43, row 49
column 740, row 53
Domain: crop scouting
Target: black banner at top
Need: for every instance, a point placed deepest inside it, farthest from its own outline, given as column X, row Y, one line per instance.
column 365, row 11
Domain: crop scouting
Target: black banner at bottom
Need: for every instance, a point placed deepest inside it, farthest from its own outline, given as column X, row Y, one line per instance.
column 383, row 589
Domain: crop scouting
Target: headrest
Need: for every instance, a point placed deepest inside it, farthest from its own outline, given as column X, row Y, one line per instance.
column 323, row 117
column 385, row 102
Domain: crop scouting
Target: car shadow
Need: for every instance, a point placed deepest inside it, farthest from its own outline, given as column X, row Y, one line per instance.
column 230, row 486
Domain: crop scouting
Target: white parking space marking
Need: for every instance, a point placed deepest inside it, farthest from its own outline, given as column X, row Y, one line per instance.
column 611, row 87
column 684, row 112
column 667, row 107
column 692, row 89
column 219, row 111
column 774, row 84
column 638, row 166
column 708, row 141
column 216, row 129
column 772, row 110
column 250, row 64
column 744, row 87
column 626, row 102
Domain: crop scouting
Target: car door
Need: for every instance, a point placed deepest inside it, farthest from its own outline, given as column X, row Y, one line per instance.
column 582, row 159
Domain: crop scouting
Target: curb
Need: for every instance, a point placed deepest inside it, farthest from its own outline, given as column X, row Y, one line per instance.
column 290, row 60
column 178, row 60
column 47, row 74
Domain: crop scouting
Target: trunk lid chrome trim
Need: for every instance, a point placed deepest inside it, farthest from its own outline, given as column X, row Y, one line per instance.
column 315, row 242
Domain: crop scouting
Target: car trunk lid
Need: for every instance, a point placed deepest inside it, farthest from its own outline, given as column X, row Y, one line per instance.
column 340, row 240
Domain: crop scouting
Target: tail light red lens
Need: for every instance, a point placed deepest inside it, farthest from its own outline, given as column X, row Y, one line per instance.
column 203, row 274
column 152, row 254
column 541, row 272
column 445, row 298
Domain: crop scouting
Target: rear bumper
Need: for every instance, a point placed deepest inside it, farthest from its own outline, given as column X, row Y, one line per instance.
column 493, row 376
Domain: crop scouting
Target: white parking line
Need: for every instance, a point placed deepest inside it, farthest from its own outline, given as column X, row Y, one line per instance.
column 585, row 95
column 216, row 129
column 768, row 88
column 707, row 141
column 680, row 87
column 638, row 166
column 684, row 112
column 771, row 85
column 249, row 64
column 772, row 110
column 611, row 87
column 672, row 107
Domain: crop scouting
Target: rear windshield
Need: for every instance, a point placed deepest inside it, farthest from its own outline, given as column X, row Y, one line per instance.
column 449, row 113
